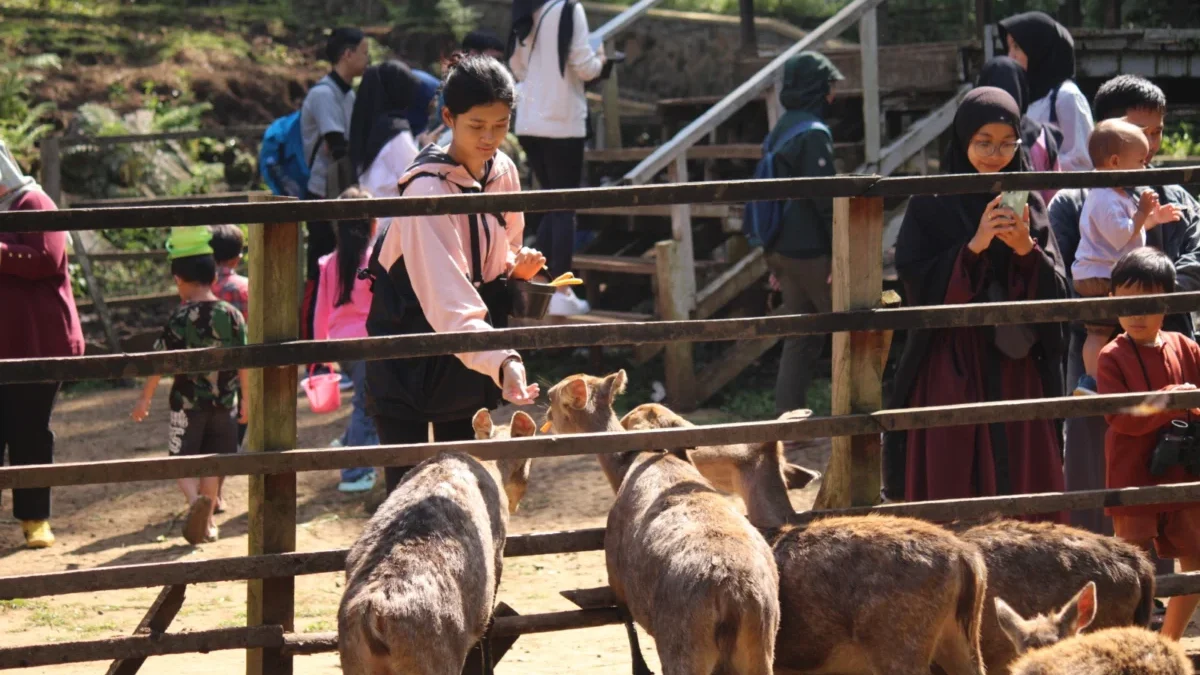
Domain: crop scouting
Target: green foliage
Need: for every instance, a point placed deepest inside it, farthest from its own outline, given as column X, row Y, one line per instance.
column 22, row 122
column 1181, row 142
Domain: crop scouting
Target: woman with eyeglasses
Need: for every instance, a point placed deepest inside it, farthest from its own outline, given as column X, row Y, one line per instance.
column 957, row 249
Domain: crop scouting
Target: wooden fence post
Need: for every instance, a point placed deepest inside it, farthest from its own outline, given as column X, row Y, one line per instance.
column 51, row 154
column 274, row 317
column 97, row 295
column 611, row 102
column 853, row 476
column 680, row 372
column 868, row 36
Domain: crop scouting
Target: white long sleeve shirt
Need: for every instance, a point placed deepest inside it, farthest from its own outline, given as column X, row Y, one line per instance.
column 1075, row 122
column 553, row 104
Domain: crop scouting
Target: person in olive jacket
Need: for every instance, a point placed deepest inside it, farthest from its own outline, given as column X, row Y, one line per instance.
column 799, row 257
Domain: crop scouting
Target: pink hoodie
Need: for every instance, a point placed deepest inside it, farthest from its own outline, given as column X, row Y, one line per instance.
column 331, row 322
column 436, row 249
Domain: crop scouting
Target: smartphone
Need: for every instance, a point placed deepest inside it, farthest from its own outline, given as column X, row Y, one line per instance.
column 1015, row 200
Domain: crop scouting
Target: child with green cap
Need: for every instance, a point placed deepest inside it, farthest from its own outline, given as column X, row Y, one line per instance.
column 204, row 406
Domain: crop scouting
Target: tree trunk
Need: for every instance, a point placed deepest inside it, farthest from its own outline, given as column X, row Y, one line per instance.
column 749, row 46
column 1112, row 14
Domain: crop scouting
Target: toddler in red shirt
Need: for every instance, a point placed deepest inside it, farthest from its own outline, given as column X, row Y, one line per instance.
column 1146, row 358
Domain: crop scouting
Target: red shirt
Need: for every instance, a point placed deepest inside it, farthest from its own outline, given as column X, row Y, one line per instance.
column 36, row 303
column 1130, row 440
column 234, row 289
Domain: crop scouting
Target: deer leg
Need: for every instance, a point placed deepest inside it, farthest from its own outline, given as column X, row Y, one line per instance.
column 635, row 649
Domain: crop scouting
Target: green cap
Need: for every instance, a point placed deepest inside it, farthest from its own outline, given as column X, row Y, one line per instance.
column 188, row 241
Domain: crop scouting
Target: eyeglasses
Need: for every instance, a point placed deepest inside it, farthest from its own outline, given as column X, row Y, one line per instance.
column 990, row 149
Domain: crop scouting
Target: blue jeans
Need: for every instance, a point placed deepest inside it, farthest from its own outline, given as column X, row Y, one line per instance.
column 361, row 429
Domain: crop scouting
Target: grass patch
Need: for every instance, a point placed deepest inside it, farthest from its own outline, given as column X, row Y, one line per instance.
column 21, row 604
column 320, row 627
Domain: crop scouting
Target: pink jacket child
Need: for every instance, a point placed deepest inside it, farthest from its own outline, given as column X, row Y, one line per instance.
column 348, row 321
column 436, row 250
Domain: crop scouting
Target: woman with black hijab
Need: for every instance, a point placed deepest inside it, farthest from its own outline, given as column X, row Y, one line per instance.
column 1045, row 49
column 381, row 143
column 956, row 249
column 1037, row 139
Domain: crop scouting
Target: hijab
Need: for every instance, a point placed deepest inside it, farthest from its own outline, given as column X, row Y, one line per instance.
column 379, row 112
column 523, row 25
column 1004, row 73
column 14, row 180
column 932, row 236
column 1049, row 46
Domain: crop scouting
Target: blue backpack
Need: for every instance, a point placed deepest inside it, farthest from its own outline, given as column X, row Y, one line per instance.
column 763, row 220
column 281, row 160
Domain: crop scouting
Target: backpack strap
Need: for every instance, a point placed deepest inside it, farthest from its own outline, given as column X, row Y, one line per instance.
column 792, row 132
column 320, row 139
column 474, row 221
column 1054, row 104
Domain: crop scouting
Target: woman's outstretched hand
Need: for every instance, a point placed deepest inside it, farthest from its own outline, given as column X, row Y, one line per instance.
column 996, row 219
column 1017, row 237
column 516, row 391
column 528, row 263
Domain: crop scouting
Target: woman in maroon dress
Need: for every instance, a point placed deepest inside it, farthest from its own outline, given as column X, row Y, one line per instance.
column 969, row 248
column 37, row 319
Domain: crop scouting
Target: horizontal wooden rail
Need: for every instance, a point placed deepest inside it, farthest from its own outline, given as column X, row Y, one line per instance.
column 326, row 459
column 242, row 568
column 73, row 368
column 715, row 192
column 147, row 300
column 125, row 139
column 127, row 256
column 257, row 637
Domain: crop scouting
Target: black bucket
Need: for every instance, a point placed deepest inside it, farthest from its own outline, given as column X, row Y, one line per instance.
column 530, row 300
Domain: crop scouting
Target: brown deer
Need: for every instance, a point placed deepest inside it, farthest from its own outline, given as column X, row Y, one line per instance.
column 1062, row 559
column 421, row 579
column 756, row 472
column 878, row 595
column 687, row 566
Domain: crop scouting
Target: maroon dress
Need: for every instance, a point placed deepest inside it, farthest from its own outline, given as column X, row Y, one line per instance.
column 963, row 365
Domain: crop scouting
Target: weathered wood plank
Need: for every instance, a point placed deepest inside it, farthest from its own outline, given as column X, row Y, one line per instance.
column 853, row 475
column 157, row 620
column 673, row 303
column 730, row 284
column 98, row 305
column 274, row 317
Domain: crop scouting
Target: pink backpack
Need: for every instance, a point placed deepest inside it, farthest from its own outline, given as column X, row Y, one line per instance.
column 1039, row 156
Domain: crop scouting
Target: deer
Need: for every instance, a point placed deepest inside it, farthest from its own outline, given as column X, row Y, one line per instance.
column 756, row 472
column 1062, row 559
column 1051, row 643
column 421, row 580
column 682, row 562
column 878, row 594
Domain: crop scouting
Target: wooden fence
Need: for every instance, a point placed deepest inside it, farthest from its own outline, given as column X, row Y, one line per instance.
column 851, row 484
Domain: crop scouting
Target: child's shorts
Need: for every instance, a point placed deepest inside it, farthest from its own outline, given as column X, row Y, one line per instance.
column 203, row 430
column 1095, row 288
column 1174, row 533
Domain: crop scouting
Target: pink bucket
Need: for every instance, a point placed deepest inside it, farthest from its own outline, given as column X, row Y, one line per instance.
column 324, row 394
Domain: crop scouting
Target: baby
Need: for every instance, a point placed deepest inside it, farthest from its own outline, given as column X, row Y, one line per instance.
column 1113, row 223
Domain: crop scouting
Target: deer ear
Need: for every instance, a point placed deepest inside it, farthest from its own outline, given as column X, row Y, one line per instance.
column 615, row 384
column 1010, row 623
column 1084, row 604
column 522, row 425
column 576, row 393
column 482, row 423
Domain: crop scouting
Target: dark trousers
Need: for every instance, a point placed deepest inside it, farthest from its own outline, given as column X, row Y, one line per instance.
column 25, row 433
column 321, row 241
column 401, row 432
column 805, row 288
column 558, row 165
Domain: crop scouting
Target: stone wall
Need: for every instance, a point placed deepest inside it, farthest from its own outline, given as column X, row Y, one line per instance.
column 670, row 54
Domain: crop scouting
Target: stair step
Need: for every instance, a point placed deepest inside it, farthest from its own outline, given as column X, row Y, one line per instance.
column 620, row 264
column 595, row 316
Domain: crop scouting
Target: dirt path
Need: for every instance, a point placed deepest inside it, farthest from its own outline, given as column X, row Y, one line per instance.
column 139, row 523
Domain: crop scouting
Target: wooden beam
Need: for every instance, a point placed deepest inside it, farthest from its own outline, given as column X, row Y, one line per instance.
column 701, row 126
column 128, row 301
column 730, row 284
column 681, row 231
column 868, row 37
column 918, row 136
column 622, row 21
column 732, row 362
column 50, row 151
column 85, row 265
column 127, row 256
column 274, row 317
column 853, row 475
column 156, row 622
column 612, row 104
column 672, row 304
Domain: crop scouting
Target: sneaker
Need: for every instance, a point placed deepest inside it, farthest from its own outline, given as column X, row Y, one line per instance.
column 37, row 533
column 335, row 443
column 363, row 484
column 213, row 534
column 346, row 383
column 195, row 528
column 1087, row 386
column 568, row 304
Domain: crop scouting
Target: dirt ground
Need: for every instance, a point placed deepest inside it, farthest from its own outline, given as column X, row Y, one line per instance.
column 139, row 523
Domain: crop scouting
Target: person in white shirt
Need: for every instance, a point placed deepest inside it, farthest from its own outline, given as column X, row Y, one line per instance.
column 552, row 60
column 1113, row 222
column 382, row 145
column 1047, row 52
